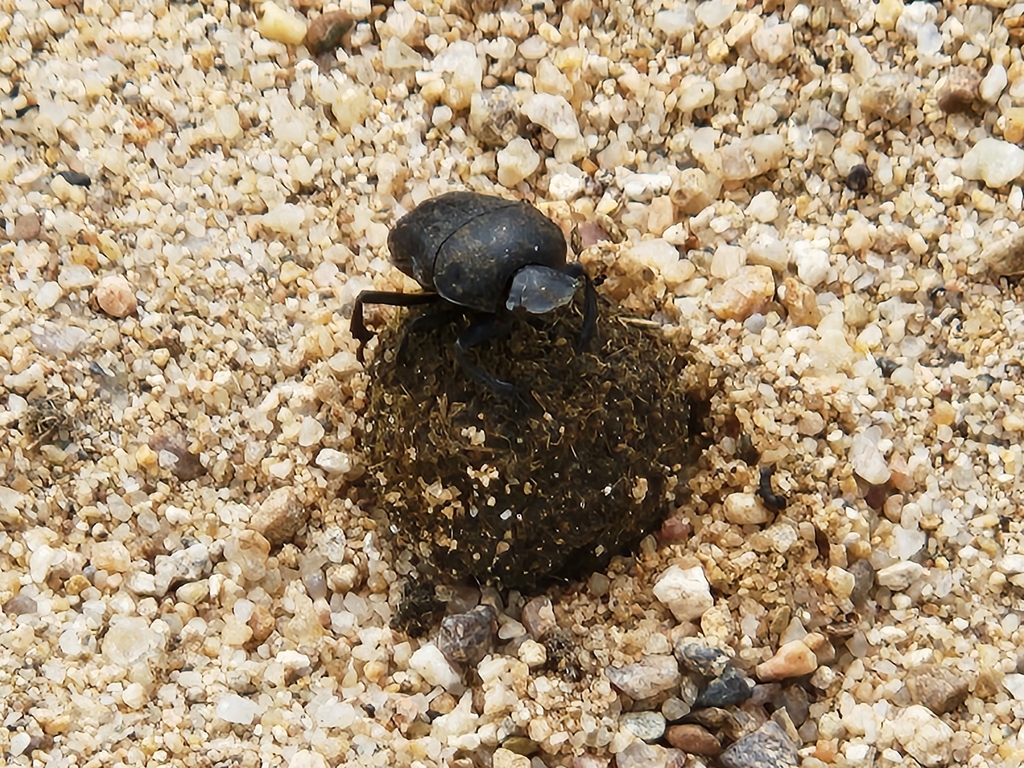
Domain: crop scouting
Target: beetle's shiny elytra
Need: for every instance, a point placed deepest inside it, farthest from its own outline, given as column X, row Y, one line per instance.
column 487, row 255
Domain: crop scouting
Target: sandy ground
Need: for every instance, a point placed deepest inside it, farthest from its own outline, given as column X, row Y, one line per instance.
column 822, row 198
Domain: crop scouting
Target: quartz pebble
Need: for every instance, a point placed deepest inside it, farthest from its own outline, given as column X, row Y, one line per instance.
column 867, row 459
column 646, row 726
column 840, row 581
column 646, row 678
column 1014, row 684
column 110, row 556
column 812, row 264
column 20, row 605
column 333, row 461
column 516, row 162
column 129, row 640
column 993, row 161
column 553, row 113
column 48, row 295
column 237, row 709
column 793, row 659
column 924, row 736
column 115, row 296
column 745, row 509
column 773, row 42
column 685, row 591
column 899, row 576
column 429, row 662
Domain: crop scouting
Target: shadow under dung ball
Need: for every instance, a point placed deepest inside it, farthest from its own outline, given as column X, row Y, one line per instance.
column 493, row 488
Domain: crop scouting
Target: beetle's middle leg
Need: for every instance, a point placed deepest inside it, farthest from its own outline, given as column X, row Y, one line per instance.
column 482, row 329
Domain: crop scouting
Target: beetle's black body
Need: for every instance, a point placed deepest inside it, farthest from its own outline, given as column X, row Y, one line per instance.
column 487, row 255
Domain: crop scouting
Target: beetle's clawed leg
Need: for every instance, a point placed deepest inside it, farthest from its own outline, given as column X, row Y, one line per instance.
column 482, row 329
column 360, row 332
column 577, row 270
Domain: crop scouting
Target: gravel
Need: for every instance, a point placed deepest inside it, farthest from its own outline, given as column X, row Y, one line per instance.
column 819, row 203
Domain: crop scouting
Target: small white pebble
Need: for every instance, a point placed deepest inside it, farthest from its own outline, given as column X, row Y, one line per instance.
column 47, row 296
column 686, row 592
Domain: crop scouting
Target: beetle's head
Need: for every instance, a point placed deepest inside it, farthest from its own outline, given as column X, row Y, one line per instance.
column 539, row 289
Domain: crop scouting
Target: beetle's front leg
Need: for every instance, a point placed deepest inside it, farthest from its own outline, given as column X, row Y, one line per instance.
column 358, row 328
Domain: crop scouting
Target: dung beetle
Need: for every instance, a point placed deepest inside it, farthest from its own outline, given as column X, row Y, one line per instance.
column 486, row 256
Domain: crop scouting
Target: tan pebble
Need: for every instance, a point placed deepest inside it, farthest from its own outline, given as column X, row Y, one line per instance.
column 280, row 25
column 840, row 581
column 944, row 413
column 27, row 227
column 826, row 750
column 261, row 623
column 744, row 295
column 280, row 516
column 960, row 92
column 52, row 721
column 76, row 584
column 506, row 758
column 693, row 739
column 85, row 255
column 326, row 32
column 146, row 456
column 661, row 214
column 941, row 689
column 801, row 302
column 693, row 191
column 1013, row 124
column 115, row 296
column 794, row 659
column 1006, row 256
column 290, row 272
column 745, row 509
column 110, row 556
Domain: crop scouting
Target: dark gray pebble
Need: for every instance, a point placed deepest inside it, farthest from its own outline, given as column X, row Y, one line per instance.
column 697, row 656
column 732, row 687
column 767, row 747
column 466, row 638
column 76, row 178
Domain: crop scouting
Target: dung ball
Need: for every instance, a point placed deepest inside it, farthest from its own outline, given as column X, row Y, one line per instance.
column 549, row 484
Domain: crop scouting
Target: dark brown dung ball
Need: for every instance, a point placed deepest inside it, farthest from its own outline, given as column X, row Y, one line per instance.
column 547, row 485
